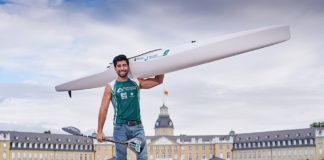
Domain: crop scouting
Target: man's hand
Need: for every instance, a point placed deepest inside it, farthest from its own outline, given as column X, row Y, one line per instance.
column 100, row 136
column 151, row 82
column 103, row 112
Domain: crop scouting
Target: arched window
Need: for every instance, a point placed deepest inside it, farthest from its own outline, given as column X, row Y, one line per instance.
column 4, row 155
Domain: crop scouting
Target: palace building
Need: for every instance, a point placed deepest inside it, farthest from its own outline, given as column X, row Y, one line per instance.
column 44, row 146
column 297, row 144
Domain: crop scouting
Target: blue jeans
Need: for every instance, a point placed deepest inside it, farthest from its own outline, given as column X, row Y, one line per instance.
column 123, row 132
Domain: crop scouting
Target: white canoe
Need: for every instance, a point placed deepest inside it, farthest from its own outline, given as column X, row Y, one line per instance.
column 163, row 61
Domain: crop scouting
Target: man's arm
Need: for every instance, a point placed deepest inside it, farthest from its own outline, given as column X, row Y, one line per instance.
column 103, row 112
column 151, row 82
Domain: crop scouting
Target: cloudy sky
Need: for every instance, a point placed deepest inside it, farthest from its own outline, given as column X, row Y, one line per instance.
column 44, row 43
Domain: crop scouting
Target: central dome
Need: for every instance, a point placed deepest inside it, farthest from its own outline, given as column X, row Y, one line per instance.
column 163, row 122
column 164, row 125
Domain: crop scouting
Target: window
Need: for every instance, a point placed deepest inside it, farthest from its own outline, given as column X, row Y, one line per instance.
column 4, row 155
column 228, row 155
column 30, row 145
column 273, row 143
column 306, row 152
column 311, row 141
column 163, row 155
column 295, row 153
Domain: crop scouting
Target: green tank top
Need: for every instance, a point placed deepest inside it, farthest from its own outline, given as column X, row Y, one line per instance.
column 125, row 99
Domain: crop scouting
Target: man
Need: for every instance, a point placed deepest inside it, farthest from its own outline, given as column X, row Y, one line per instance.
column 124, row 95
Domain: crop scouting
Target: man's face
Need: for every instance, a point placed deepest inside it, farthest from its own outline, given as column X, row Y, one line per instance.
column 122, row 69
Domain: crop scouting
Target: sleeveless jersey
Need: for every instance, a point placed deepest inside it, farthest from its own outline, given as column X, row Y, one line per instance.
column 125, row 99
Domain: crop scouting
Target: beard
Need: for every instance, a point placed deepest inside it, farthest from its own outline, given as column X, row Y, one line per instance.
column 123, row 74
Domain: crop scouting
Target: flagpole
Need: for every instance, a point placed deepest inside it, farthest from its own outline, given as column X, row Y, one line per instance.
column 165, row 94
column 163, row 97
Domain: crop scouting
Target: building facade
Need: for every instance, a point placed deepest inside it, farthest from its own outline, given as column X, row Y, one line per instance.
column 297, row 144
column 41, row 146
column 164, row 145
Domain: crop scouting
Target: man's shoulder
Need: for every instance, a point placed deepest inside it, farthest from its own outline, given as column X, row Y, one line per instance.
column 135, row 81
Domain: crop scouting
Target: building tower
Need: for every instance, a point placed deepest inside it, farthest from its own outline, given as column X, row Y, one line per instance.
column 164, row 125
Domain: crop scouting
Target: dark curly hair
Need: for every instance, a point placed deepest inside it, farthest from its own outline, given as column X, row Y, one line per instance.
column 120, row 57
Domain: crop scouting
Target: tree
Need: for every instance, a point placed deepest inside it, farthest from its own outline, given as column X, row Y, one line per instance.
column 317, row 124
column 47, row 132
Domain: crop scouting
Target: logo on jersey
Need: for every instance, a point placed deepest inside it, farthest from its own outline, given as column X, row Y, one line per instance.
column 119, row 90
column 123, row 95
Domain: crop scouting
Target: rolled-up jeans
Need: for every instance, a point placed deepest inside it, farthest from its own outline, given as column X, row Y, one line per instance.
column 123, row 132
